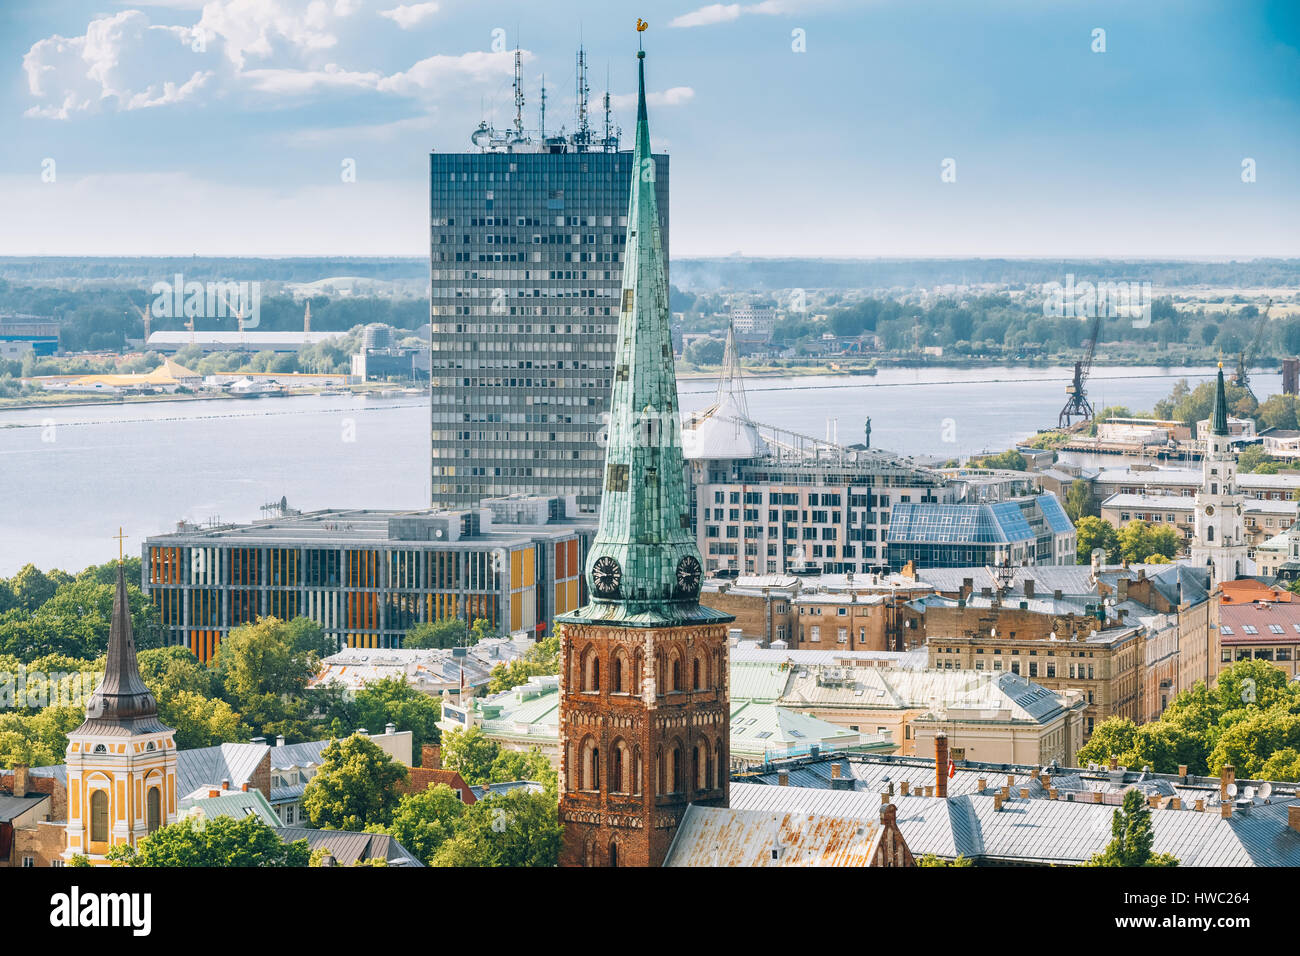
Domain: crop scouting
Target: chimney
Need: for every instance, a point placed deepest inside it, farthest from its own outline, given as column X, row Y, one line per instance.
column 1011, row 780
column 1123, row 590
column 929, row 790
column 1200, row 805
column 1029, row 588
column 1024, row 793
column 941, row 764
column 884, row 798
column 1051, row 793
column 1045, row 780
column 214, row 793
column 431, row 757
column 1033, row 774
column 1153, row 801
column 244, row 786
column 225, row 783
column 1293, row 817
column 783, row 778
column 21, row 778
column 967, row 585
column 279, row 740
column 390, row 728
column 997, row 802
column 904, row 788
column 1096, row 796
column 1227, row 776
column 1005, row 793
column 1114, row 761
column 835, row 771
column 1182, row 771
column 1225, row 810
column 1175, row 803
column 983, row 783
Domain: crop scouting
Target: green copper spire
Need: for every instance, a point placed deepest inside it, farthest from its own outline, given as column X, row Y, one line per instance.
column 1219, row 417
column 644, row 567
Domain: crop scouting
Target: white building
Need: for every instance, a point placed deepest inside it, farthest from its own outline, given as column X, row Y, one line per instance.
column 1219, row 531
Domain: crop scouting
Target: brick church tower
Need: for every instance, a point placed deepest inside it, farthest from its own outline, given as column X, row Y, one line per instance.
column 644, row 718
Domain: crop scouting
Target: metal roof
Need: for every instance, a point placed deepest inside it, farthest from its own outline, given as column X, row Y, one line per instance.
column 1045, row 831
column 13, row 807
column 348, row 848
column 718, row 836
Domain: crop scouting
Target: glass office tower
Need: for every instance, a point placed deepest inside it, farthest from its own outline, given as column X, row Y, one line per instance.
column 526, row 267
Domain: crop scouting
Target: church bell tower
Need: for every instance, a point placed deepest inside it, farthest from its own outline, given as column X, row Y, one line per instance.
column 644, row 718
column 1219, row 536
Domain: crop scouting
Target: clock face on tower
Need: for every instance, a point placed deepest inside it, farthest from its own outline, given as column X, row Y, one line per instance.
column 606, row 576
column 1209, row 510
column 688, row 575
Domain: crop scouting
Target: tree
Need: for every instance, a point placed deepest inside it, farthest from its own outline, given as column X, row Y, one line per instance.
column 929, row 859
column 355, row 787
column 1079, row 501
column 1137, row 539
column 1010, row 459
column 706, row 352
column 201, row 721
column 447, row 632
column 1092, row 533
column 396, row 701
column 1252, row 456
column 264, row 669
column 532, row 765
column 540, row 659
column 220, row 842
column 423, row 822
column 170, row 670
column 1132, row 837
column 519, row 828
column 471, row 753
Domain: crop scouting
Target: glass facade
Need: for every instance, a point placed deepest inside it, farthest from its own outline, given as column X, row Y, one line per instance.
column 526, row 267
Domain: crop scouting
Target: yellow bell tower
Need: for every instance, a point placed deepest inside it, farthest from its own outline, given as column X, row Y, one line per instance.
column 122, row 759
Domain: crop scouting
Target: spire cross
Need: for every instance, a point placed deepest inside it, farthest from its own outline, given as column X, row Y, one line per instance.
column 120, row 538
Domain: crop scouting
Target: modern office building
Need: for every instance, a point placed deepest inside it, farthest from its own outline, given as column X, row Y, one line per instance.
column 367, row 577
column 769, row 501
column 1029, row 530
column 527, row 234
column 20, row 334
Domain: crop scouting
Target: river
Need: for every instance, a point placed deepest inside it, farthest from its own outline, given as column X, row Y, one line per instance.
column 69, row 477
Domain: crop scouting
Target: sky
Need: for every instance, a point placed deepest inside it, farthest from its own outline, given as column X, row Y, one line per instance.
column 845, row 128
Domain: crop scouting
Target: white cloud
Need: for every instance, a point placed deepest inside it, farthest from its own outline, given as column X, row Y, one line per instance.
column 707, row 16
column 726, row 12
column 261, row 48
column 675, row 96
column 408, row 15
column 122, row 62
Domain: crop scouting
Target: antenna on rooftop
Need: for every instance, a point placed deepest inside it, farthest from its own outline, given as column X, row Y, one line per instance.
column 583, row 134
column 543, row 130
column 519, row 97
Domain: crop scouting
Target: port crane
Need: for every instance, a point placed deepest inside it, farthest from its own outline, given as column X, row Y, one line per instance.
column 1076, row 403
column 1244, row 357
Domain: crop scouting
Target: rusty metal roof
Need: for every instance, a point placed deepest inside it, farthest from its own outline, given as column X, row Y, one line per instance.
column 714, row 836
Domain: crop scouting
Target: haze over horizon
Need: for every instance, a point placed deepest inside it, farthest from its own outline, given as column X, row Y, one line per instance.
column 837, row 151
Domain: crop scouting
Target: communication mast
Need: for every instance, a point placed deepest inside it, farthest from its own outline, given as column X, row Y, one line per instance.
column 519, row 98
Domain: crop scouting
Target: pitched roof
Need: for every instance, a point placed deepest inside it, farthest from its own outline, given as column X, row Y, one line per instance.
column 348, row 848
column 718, row 836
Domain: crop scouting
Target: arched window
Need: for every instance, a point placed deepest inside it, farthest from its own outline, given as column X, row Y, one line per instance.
column 637, row 770
column 660, row 687
column 720, row 758
column 695, row 674
column 697, row 767
column 675, row 769
column 613, row 853
column 1209, row 533
column 99, row 816
column 618, row 673
column 616, row 767
column 661, row 779
column 153, row 809
column 675, row 681
column 590, row 670
column 590, row 764
column 637, row 660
